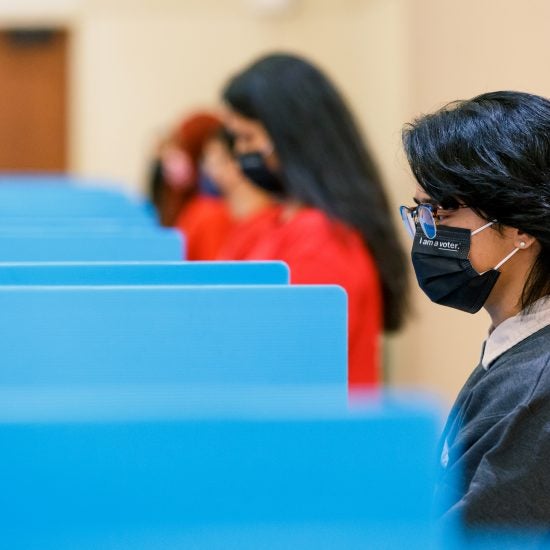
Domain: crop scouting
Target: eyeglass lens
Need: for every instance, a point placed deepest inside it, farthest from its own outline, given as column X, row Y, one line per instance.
column 426, row 220
column 408, row 220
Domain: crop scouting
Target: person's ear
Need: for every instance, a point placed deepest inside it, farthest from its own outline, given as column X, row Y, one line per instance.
column 523, row 240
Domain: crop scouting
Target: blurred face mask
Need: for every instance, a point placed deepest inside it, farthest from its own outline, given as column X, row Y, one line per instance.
column 444, row 272
column 207, row 186
column 254, row 167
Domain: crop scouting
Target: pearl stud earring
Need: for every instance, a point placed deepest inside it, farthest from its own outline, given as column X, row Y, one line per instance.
column 522, row 244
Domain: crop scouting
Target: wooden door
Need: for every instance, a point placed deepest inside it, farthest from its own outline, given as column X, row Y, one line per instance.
column 33, row 99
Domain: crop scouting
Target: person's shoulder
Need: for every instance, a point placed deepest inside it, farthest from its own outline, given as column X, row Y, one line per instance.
column 303, row 231
column 210, row 204
column 269, row 214
column 252, row 237
column 532, row 354
column 316, row 218
column 325, row 250
column 517, row 377
column 203, row 208
column 308, row 217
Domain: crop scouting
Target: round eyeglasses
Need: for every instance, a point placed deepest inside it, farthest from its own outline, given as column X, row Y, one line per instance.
column 423, row 215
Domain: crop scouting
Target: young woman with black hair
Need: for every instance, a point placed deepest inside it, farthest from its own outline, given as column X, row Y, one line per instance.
column 481, row 230
column 296, row 138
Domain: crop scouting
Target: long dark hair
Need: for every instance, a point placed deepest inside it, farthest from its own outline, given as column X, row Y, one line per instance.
column 491, row 153
column 324, row 160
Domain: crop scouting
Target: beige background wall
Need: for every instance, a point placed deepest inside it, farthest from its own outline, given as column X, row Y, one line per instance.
column 137, row 65
column 141, row 65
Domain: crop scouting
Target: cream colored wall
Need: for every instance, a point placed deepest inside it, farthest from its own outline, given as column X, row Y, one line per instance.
column 140, row 65
column 141, row 68
column 465, row 48
column 137, row 65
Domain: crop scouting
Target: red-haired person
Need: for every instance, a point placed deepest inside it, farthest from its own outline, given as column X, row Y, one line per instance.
column 182, row 192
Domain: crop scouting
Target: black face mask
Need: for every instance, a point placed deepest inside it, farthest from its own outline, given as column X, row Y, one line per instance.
column 253, row 166
column 445, row 273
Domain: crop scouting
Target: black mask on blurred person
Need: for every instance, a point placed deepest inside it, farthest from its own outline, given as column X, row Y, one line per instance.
column 253, row 166
column 445, row 273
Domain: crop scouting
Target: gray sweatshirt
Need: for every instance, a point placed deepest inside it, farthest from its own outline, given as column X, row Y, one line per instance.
column 496, row 442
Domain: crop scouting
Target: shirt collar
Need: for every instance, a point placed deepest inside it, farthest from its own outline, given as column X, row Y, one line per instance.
column 514, row 330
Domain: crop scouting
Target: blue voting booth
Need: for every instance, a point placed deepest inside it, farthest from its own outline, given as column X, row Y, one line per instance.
column 73, row 245
column 202, row 468
column 147, row 402
column 202, row 334
column 144, row 273
column 57, row 218
column 57, row 196
column 34, row 224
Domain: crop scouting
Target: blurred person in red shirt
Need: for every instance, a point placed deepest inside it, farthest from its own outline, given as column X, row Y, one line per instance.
column 183, row 194
column 296, row 139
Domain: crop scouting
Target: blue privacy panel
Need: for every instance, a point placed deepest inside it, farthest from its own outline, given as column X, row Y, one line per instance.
column 93, row 335
column 262, row 468
column 47, row 196
column 127, row 245
column 133, row 273
column 11, row 224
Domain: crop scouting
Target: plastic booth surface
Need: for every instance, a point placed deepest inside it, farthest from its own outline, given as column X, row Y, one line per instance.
column 143, row 273
column 202, row 468
column 171, row 334
column 87, row 246
column 44, row 196
column 104, row 224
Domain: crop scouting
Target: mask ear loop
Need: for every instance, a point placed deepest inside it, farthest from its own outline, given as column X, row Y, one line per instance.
column 502, row 262
column 480, row 229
